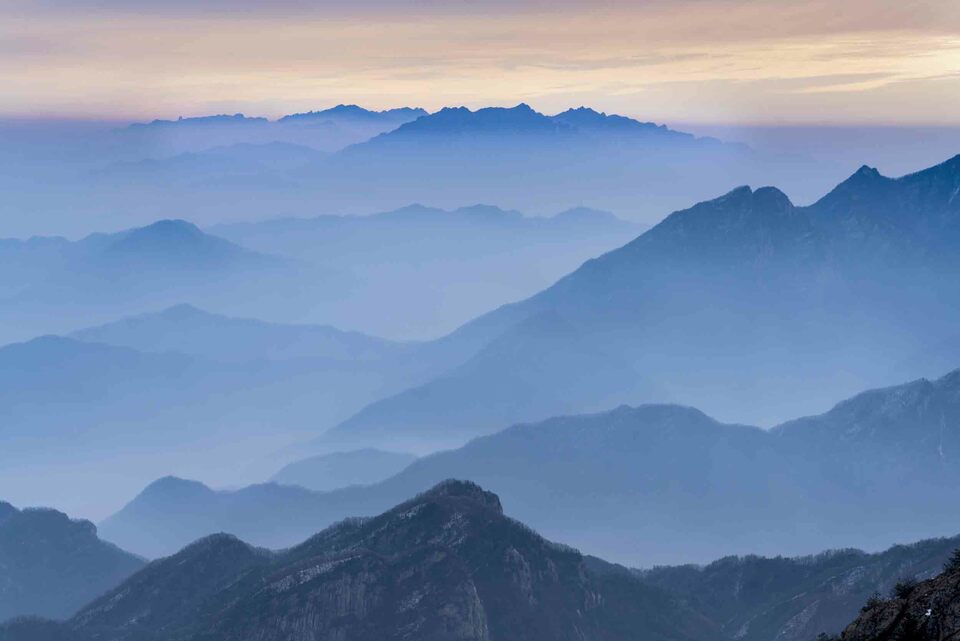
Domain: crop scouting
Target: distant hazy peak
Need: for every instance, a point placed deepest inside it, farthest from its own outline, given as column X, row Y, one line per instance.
column 586, row 214
column 488, row 211
column 6, row 510
column 182, row 311
column 170, row 227
column 219, row 119
column 172, row 488
column 585, row 117
column 358, row 112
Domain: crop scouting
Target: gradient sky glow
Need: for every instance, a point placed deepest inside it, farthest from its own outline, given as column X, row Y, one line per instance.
column 760, row 61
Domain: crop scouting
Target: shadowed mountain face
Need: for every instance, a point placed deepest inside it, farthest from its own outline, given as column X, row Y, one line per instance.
column 796, row 599
column 755, row 309
column 446, row 565
column 51, row 566
column 654, row 484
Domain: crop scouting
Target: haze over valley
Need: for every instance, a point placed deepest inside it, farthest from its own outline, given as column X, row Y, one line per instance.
column 512, row 321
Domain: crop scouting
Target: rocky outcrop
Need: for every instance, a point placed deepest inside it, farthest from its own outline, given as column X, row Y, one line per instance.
column 926, row 611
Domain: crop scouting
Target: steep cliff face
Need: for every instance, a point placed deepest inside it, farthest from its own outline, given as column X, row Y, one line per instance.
column 445, row 566
column 927, row 611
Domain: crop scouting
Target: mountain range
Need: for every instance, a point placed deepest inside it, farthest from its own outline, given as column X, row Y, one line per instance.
column 448, row 564
column 748, row 307
column 412, row 263
column 228, row 169
column 754, row 309
column 324, row 129
column 178, row 389
column 648, row 485
column 533, row 161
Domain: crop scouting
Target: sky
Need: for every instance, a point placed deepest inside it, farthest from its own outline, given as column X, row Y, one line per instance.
column 710, row 61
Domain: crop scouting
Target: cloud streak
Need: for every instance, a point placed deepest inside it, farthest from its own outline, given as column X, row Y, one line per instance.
column 142, row 58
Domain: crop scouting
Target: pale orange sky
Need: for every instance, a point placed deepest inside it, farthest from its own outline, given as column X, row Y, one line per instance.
column 759, row 61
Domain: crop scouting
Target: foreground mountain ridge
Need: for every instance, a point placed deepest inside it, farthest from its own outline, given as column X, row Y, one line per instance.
column 446, row 565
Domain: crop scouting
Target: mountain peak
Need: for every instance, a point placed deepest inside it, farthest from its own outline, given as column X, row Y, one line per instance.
column 461, row 491
column 183, row 311
column 488, row 212
column 772, row 199
column 356, row 112
column 173, row 488
column 6, row 510
column 586, row 215
column 162, row 232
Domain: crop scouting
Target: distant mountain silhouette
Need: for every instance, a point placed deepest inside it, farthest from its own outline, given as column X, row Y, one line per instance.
column 202, row 121
column 521, row 121
column 350, row 113
column 51, row 565
column 445, row 565
column 84, row 413
column 172, row 244
column 325, row 130
column 189, row 330
column 249, row 165
column 756, row 309
column 430, row 268
column 103, row 276
column 341, row 469
column 668, row 483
